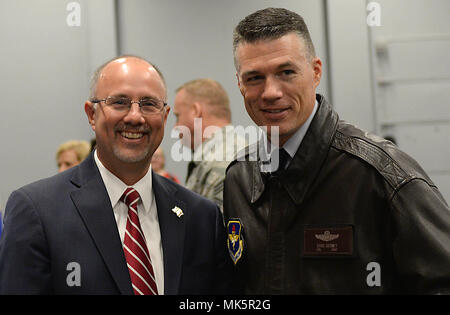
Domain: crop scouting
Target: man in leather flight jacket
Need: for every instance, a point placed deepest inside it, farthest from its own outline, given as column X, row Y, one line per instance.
column 350, row 213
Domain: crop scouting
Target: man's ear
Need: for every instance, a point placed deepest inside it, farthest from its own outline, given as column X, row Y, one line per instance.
column 167, row 110
column 89, row 108
column 239, row 84
column 198, row 109
column 317, row 68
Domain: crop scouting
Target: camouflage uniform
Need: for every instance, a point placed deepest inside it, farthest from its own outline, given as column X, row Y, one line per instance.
column 206, row 172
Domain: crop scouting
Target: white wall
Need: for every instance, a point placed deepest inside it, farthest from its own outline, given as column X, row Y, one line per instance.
column 412, row 81
column 350, row 64
column 45, row 71
column 193, row 39
column 394, row 79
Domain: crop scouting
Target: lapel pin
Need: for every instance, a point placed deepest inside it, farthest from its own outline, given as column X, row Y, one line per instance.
column 177, row 211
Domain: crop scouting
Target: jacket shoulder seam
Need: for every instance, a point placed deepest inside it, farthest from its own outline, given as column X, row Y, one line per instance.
column 378, row 158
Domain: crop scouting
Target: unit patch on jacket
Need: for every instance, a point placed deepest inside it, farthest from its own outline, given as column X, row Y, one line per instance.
column 235, row 242
column 326, row 241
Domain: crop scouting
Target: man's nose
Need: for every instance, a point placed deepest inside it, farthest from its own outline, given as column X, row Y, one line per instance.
column 134, row 115
column 272, row 89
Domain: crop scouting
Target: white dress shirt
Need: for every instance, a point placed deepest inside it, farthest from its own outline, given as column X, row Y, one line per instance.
column 147, row 213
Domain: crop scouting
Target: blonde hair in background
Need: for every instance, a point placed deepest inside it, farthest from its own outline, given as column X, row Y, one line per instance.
column 212, row 93
column 81, row 148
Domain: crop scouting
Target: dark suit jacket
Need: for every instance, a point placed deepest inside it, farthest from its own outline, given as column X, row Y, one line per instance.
column 68, row 218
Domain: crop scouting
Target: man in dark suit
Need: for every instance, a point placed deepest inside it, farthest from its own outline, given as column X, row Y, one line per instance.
column 110, row 225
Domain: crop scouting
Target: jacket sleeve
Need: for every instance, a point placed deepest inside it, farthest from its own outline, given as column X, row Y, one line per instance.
column 24, row 257
column 422, row 243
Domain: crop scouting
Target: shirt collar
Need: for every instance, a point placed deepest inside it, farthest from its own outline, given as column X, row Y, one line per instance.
column 291, row 146
column 293, row 143
column 115, row 187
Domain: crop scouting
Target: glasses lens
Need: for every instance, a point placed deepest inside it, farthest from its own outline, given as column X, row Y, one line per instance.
column 118, row 103
column 151, row 105
column 147, row 105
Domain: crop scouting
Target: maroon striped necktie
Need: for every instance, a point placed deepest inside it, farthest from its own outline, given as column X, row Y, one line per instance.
column 135, row 249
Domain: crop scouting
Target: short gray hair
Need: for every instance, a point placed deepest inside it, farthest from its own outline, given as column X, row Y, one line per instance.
column 271, row 23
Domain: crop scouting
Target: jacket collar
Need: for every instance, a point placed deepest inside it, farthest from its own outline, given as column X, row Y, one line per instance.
column 94, row 207
column 172, row 229
column 309, row 157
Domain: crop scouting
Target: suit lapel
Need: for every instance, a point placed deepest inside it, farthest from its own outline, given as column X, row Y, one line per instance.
column 94, row 206
column 172, row 230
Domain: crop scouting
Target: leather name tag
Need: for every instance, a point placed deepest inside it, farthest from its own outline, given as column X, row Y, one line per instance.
column 328, row 241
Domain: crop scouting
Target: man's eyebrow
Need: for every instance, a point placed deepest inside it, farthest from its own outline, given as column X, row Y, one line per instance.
column 287, row 64
column 253, row 72
column 119, row 95
column 148, row 97
column 145, row 97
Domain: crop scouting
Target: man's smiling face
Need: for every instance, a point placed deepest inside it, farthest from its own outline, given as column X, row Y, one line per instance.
column 127, row 137
column 278, row 82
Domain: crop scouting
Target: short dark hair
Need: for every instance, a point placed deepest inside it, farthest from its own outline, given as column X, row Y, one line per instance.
column 271, row 23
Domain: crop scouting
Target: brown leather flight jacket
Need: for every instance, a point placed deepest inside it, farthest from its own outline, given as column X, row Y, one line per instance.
column 352, row 214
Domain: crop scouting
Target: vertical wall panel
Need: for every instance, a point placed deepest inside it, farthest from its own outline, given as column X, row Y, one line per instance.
column 412, row 75
column 45, row 70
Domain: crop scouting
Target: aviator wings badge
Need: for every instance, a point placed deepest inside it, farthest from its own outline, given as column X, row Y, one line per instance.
column 326, row 236
column 235, row 242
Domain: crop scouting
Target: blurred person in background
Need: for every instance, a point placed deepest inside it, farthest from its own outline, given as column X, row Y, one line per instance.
column 206, row 101
column 71, row 153
column 159, row 163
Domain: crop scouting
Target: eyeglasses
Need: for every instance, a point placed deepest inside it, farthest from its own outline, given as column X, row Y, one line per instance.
column 123, row 104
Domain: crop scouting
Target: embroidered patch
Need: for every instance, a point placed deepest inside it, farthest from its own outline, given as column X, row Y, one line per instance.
column 330, row 240
column 235, row 242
